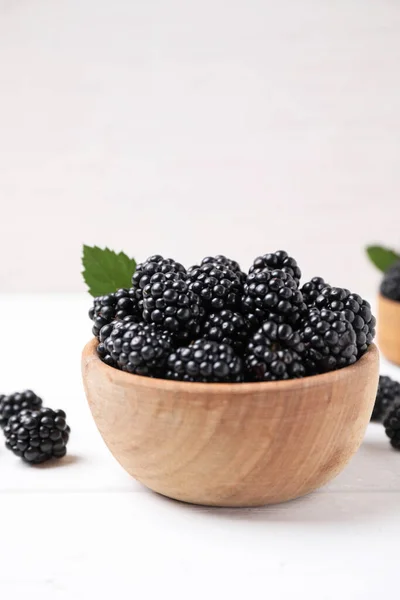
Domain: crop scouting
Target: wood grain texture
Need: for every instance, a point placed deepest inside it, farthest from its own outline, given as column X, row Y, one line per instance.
column 244, row 444
column 389, row 328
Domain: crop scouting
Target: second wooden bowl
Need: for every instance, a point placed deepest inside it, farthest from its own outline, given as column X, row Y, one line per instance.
column 389, row 328
column 245, row 444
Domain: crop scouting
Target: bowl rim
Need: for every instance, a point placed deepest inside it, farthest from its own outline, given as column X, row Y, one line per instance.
column 89, row 355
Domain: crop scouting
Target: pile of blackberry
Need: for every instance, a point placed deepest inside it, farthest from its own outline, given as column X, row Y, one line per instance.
column 34, row 433
column 390, row 286
column 387, row 409
column 213, row 322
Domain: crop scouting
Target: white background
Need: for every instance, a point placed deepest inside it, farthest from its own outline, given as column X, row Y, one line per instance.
column 190, row 128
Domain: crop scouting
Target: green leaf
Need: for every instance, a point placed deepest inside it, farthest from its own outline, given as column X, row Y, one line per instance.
column 105, row 271
column 382, row 258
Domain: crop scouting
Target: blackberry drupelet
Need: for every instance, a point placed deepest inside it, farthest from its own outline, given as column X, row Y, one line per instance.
column 272, row 295
column 118, row 305
column 153, row 265
column 274, row 353
column 217, row 286
column 138, row 348
column 205, row 361
column 329, row 339
column 388, row 393
column 355, row 309
column 37, row 436
column 226, row 327
column 172, row 305
column 222, row 260
column 392, row 425
column 279, row 260
column 390, row 286
column 312, row 289
column 13, row 404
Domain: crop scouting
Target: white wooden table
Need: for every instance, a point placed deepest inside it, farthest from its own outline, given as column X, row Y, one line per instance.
column 85, row 529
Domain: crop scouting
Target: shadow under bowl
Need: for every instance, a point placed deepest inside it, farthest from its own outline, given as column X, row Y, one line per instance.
column 243, row 444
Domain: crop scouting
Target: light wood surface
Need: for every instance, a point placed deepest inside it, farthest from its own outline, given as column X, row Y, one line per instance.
column 232, row 444
column 389, row 328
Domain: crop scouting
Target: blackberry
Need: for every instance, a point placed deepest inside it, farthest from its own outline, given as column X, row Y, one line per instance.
column 272, row 295
column 118, row 305
column 170, row 303
column 279, row 260
column 329, row 339
column 13, row 404
column 390, row 286
column 222, row 260
column 226, row 327
column 217, row 286
column 205, row 361
column 38, row 435
column 312, row 289
column 273, row 353
column 388, row 393
column 138, row 348
column 153, row 265
column 355, row 309
column 392, row 425
column 105, row 332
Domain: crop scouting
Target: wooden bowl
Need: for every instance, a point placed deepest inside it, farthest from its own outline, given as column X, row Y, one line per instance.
column 389, row 328
column 243, row 444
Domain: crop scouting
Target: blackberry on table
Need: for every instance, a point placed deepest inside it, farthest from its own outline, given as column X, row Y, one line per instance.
column 355, row 309
column 222, row 260
column 272, row 295
column 388, row 393
column 217, row 286
column 312, row 289
column 392, row 425
column 329, row 339
column 172, row 305
column 38, row 435
column 118, row 305
column 390, row 286
column 274, row 353
column 151, row 266
column 279, row 260
column 13, row 404
column 138, row 348
column 226, row 327
column 205, row 361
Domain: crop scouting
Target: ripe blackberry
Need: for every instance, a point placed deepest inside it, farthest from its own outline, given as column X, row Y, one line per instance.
column 392, row 425
column 138, row 348
column 279, row 260
column 13, row 404
column 388, row 393
column 272, row 295
column 38, row 435
column 154, row 264
column 169, row 303
column 390, row 286
column 273, row 353
column 312, row 289
column 118, row 305
column 356, row 310
column 205, row 361
column 217, row 286
column 329, row 339
column 226, row 327
column 222, row 260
